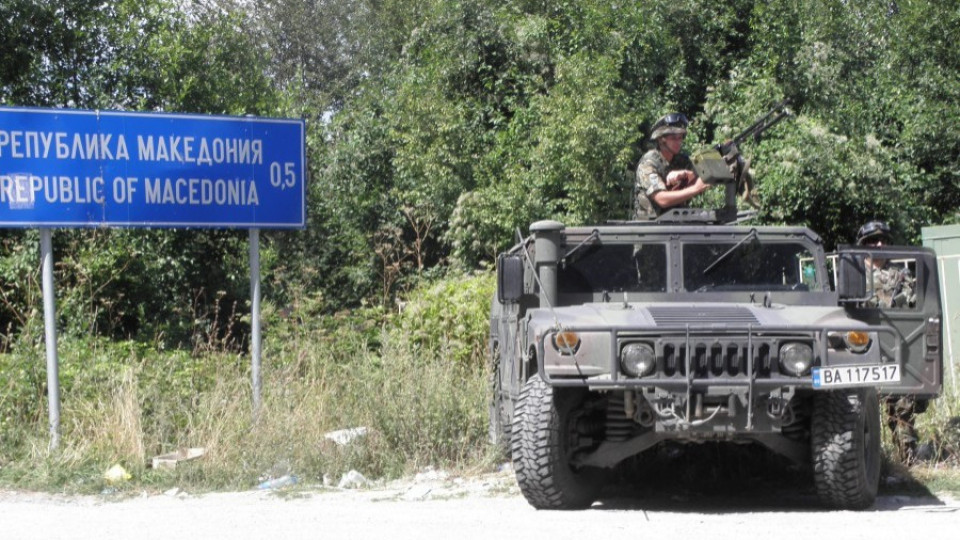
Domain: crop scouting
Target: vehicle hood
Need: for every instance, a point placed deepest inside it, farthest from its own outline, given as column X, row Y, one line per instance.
column 672, row 315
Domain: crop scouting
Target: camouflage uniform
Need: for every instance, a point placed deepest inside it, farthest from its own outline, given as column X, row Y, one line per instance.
column 900, row 417
column 891, row 287
column 652, row 177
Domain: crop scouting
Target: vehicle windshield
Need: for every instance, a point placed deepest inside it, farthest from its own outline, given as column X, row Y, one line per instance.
column 741, row 264
column 747, row 266
column 615, row 268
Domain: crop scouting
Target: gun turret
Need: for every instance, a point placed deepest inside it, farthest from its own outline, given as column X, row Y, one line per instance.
column 724, row 164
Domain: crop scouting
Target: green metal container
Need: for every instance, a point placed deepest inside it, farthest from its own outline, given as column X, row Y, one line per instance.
column 945, row 240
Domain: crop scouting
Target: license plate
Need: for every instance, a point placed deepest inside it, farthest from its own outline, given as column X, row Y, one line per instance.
column 872, row 375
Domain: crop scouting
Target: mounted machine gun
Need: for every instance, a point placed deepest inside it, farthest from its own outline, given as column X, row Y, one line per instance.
column 724, row 164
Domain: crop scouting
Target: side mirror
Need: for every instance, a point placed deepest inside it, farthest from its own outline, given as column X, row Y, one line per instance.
column 509, row 278
column 851, row 279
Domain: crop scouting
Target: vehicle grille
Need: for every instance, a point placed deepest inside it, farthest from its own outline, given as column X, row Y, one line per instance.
column 714, row 360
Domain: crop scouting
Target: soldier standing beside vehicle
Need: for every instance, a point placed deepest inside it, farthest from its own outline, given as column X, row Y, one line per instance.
column 891, row 287
column 665, row 175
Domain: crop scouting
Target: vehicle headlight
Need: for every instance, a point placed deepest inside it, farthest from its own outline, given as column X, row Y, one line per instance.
column 796, row 358
column 638, row 359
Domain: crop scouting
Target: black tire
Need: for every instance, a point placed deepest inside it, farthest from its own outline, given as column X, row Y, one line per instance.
column 845, row 435
column 542, row 432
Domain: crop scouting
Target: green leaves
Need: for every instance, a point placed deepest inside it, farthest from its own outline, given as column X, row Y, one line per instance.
column 448, row 319
column 871, row 140
column 488, row 116
column 437, row 128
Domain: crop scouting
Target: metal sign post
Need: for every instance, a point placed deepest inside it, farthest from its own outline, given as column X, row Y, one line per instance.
column 72, row 168
column 50, row 332
column 255, row 318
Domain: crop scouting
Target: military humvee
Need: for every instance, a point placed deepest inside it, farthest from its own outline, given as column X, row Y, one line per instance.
column 607, row 341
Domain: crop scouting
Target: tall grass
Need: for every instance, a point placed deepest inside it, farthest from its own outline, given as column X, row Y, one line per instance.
column 416, row 380
column 422, row 402
column 940, row 425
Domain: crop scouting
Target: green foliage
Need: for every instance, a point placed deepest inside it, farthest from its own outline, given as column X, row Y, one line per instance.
column 149, row 285
column 50, row 55
column 420, row 392
column 20, row 296
column 131, row 54
column 496, row 115
column 349, row 202
column 871, row 138
column 448, row 319
column 211, row 65
column 22, row 383
column 566, row 158
column 436, row 130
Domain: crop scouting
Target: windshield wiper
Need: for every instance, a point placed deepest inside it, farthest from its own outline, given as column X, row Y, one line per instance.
column 750, row 236
column 594, row 236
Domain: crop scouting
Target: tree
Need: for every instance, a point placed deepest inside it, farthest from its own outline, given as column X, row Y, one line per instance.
column 437, row 128
column 130, row 55
column 868, row 83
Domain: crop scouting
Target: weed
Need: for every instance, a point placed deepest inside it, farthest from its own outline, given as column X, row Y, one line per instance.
column 415, row 380
column 422, row 402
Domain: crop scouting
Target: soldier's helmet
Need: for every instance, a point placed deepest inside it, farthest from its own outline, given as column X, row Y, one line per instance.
column 669, row 124
column 873, row 230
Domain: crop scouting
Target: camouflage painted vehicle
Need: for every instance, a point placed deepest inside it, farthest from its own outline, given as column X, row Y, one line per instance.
column 608, row 341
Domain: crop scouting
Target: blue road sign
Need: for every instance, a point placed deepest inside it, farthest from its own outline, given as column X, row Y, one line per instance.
column 70, row 168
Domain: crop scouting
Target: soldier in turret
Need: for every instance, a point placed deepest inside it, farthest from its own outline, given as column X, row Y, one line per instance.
column 665, row 176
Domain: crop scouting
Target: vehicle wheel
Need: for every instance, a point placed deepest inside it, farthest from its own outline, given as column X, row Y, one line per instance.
column 846, row 434
column 544, row 437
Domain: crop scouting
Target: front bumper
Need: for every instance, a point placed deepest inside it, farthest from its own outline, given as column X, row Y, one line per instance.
column 708, row 359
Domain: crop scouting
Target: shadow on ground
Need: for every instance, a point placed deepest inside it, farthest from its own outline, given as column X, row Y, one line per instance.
column 722, row 478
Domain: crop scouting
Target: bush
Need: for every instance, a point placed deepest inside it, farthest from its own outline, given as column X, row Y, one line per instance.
column 422, row 400
column 447, row 319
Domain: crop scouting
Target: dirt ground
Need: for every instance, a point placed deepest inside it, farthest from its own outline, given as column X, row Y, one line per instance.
column 440, row 505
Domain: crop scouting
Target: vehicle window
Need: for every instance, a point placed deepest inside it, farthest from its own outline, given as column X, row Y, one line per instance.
column 891, row 284
column 748, row 265
column 888, row 283
column 615, row 268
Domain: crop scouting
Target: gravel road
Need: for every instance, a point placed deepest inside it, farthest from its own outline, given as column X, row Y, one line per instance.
column 437, row 505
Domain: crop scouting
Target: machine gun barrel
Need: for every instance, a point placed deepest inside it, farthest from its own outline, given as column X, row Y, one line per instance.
column 767, row 121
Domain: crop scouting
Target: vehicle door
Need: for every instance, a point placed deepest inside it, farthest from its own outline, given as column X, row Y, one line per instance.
column 909, row 303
